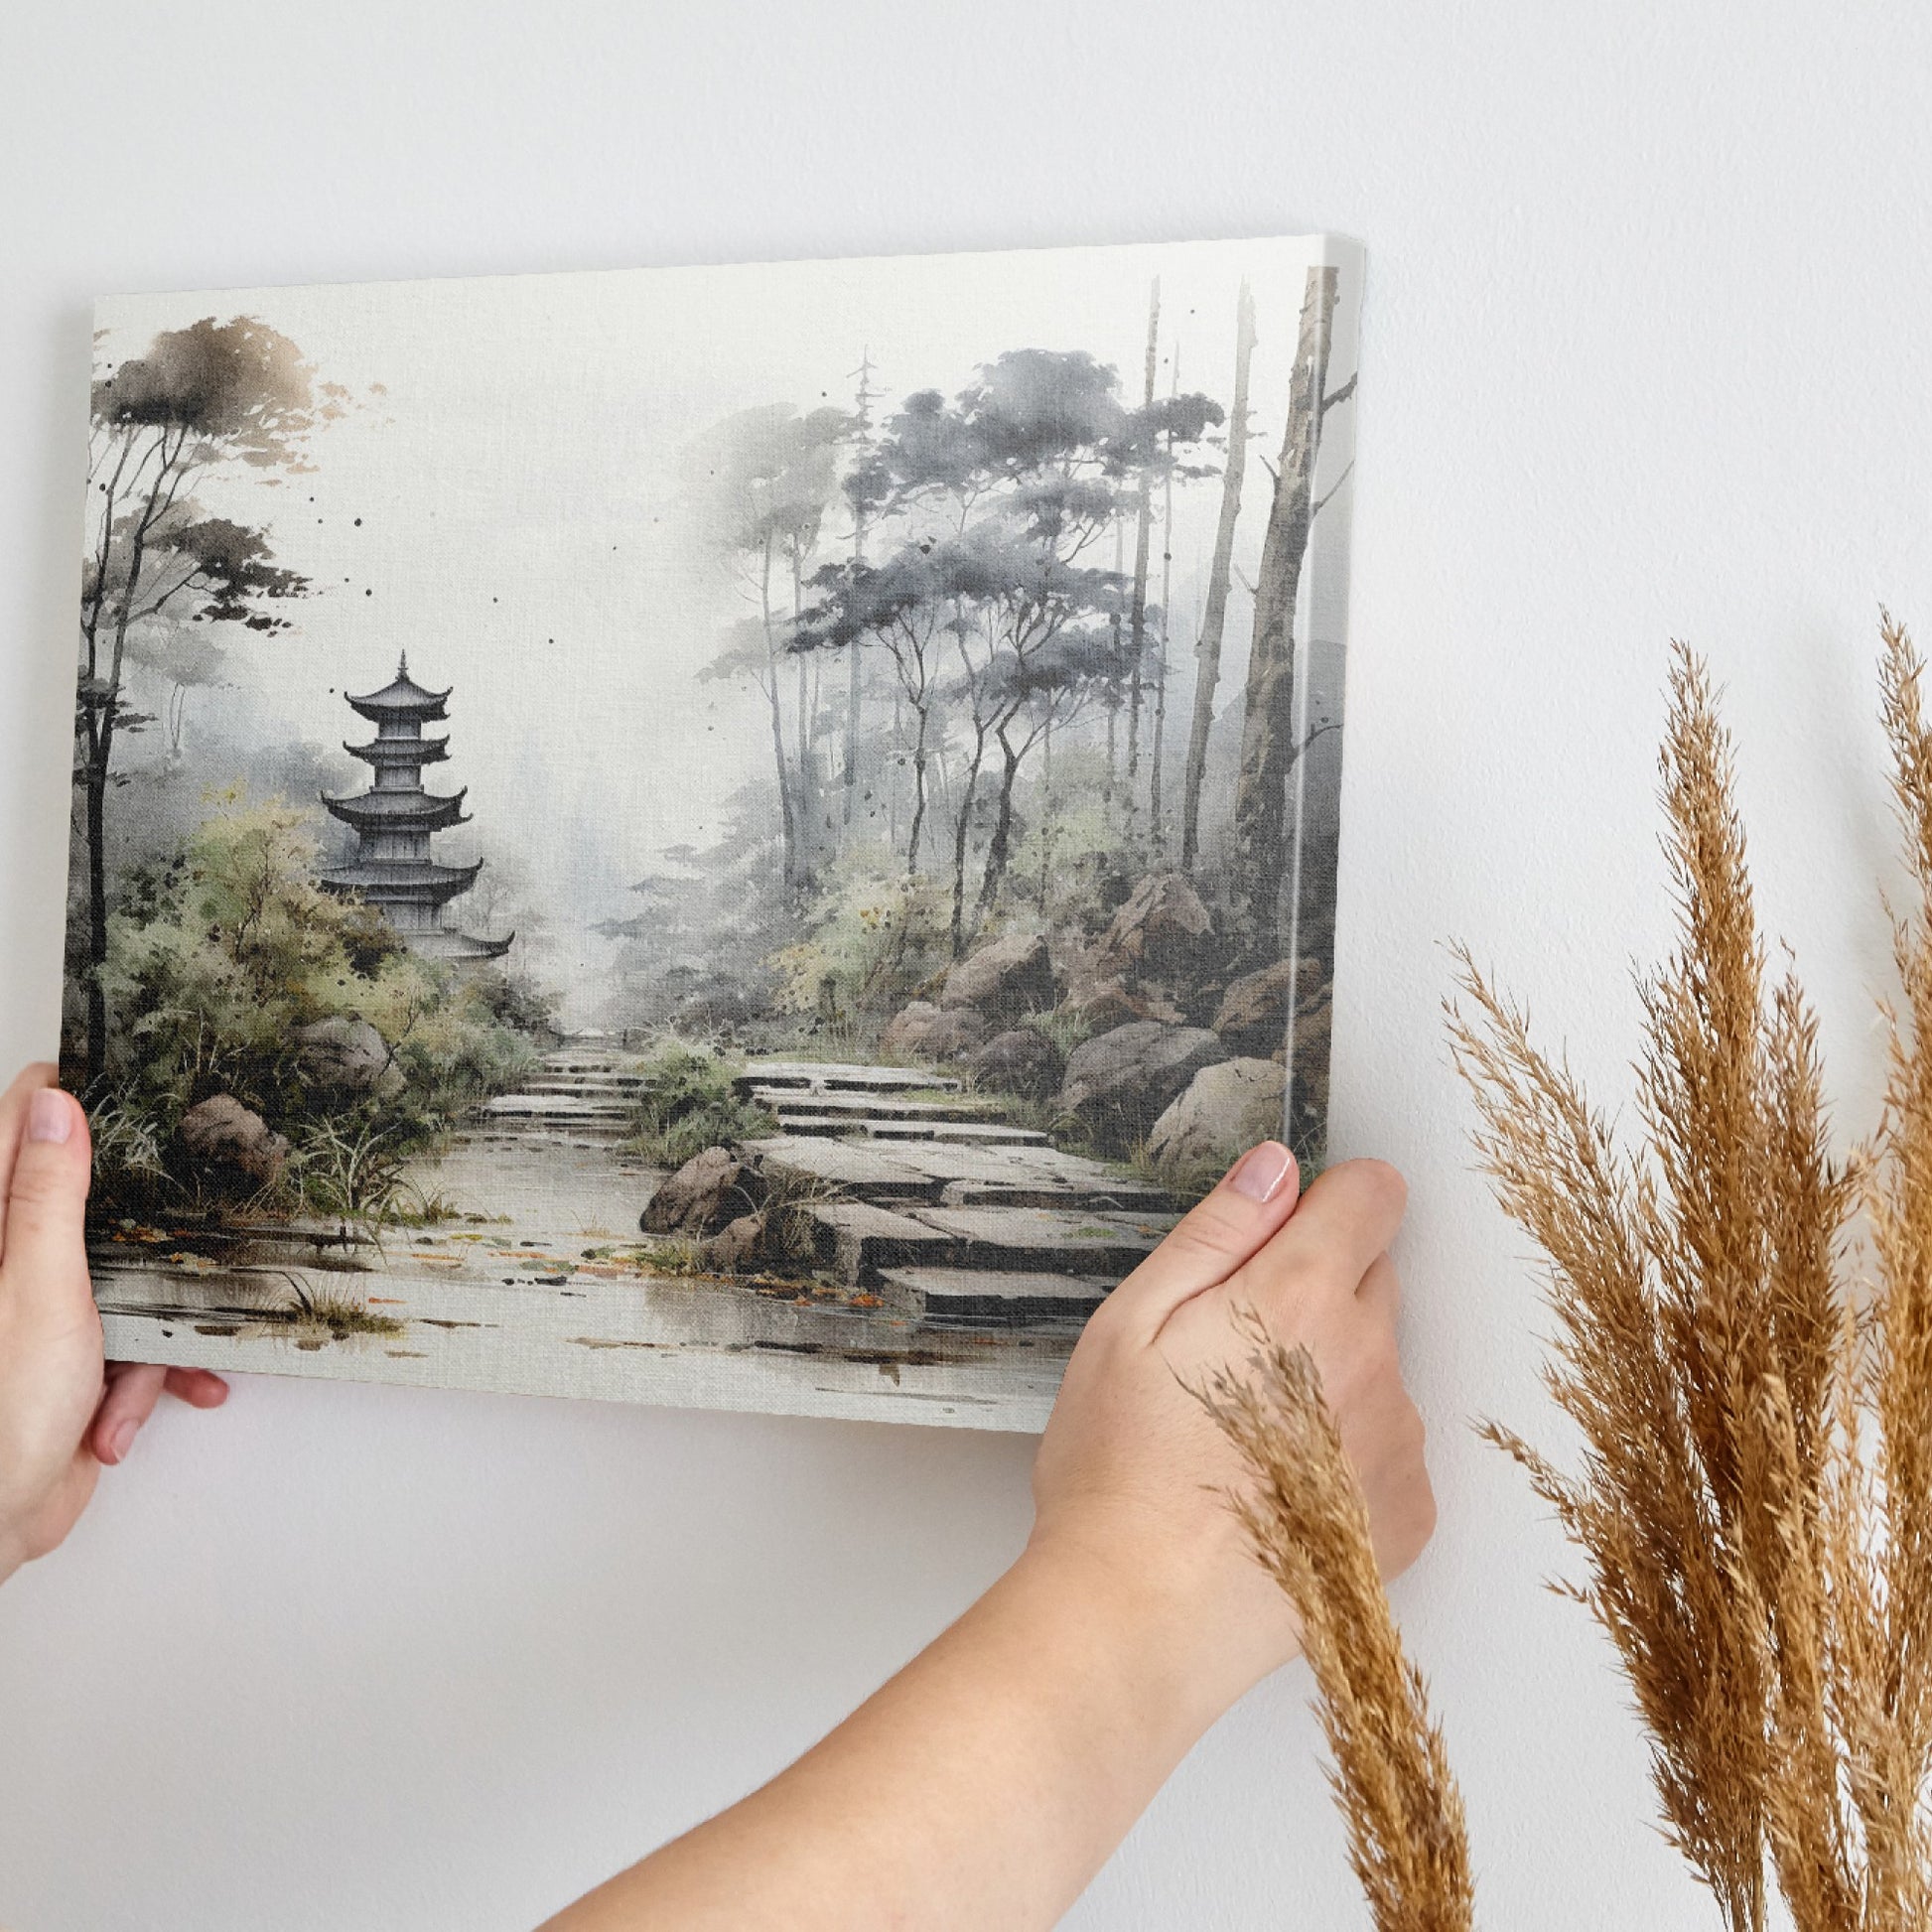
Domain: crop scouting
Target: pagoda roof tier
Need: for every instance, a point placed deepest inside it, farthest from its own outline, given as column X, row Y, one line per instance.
column 401, row 697
column 442, row 943
column 399, row 811
column 396, row 881
column 400, row 750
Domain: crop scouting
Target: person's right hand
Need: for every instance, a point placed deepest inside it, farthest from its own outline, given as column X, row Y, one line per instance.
column 64, row 1412
column 1130, row 1477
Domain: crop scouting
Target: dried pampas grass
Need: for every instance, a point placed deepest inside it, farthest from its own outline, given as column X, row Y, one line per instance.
column 1309, row 1525
column 1753, row 1391
column 1754, row 1495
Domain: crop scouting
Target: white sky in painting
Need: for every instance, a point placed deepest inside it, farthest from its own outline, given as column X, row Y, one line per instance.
column 517, row 486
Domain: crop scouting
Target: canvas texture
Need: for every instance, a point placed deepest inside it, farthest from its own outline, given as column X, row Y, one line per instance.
column 742, row 837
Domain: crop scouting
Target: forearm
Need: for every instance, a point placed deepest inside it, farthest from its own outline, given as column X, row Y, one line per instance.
column 984, row 1785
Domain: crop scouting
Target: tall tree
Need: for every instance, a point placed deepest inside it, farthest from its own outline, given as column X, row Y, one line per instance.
column 764, row 481
column 1269, row 750
column 201, row 398
column 861, row 507
column 1155, row 762
column 1207, row 650
column 1143, row 529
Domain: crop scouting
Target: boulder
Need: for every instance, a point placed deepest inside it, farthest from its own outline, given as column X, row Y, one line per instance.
column 1121, row 1083
column 923, row 1031
column 1009, row 976
column 710, row 1190
column 1023, row 1060
column 346, row 1058
column 734, row 1249
column 1160, row 934
column 1106, row 1002
column 1253, row 1015
column 228, row 1146
column 1225, row 1110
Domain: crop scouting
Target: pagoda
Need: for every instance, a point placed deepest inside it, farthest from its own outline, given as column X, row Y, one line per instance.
column 394, row 818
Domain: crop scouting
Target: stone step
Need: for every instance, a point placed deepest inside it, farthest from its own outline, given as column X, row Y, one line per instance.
column 613, row 1085
column 553, row 1134
column 953, row 1174
column 983, row 1298
column 1055, row 1240
column 859, row 1240
column 556, row 1106
column 861, row 1167
column 815, row 1076
column 871, row 1106
column 967, row 1132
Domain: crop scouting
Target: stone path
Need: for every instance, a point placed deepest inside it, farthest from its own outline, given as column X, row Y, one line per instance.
column 939, row 1207
column 580, row 1094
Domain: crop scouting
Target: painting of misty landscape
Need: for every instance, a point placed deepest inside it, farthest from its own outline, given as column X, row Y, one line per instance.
column 746, row 837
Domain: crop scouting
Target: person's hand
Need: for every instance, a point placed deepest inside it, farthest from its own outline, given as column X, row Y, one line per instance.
column 1130, row 1474
column 64, row 1411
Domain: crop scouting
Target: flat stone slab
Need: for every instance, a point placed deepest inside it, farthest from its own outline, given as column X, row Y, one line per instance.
column 871, row 1106
column 831, row 1077
column 969, row 1133
column 556, row 1106
column 856, row 1165
column 857, row 1240
column 1048, row 1239
column 987, row 1299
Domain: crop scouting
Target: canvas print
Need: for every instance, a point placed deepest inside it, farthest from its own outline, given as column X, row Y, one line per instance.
column 743, row 836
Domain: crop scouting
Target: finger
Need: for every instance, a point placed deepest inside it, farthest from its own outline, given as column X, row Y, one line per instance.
column 1212, row 1239
column 131, row 1395
column 199, row 1388
column 13, row 1126
column 1347, row 1217
column 44, row 1263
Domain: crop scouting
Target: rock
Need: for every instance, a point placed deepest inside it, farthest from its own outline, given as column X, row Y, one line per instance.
column 1160, row 936
column 346, row 1058
column 229, row 1147
column 734, row 1249
column 1023, row 1060
column 923, row 1031
column 1253, row 1015
column 1009, row 976
column 1109, row 1003
column 1224, row 1111
column 710, row 1190
column 1121, row 1083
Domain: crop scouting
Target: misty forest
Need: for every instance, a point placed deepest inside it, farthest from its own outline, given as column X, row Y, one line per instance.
column 1016, row 926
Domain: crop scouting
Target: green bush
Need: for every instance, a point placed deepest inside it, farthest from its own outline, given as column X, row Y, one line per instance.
column 217, row 955
column 688, row 1103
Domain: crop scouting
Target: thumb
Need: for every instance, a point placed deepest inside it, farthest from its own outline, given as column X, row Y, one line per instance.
column 44, row 1260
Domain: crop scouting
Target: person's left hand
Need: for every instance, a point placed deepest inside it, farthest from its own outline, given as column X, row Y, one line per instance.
column 64, row 1411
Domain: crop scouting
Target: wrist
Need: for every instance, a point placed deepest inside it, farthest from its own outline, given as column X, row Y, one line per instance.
column 1141, row 1626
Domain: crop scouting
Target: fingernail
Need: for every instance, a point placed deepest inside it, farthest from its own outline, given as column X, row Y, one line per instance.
column 50, row 1117
column 121, row 1439
column 1260, row 1171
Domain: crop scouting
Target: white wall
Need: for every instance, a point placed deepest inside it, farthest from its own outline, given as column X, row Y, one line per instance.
column 1644, row 355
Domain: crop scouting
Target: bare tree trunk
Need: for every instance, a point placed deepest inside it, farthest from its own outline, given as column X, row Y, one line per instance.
column 1143, row 531
column 1001, row 844
column 919, row 797
column 1214, row 623
column 787, row 821
column 961, row 826
column 1268, row 746
column 1113, row 702
column 1167, row 627
column 851, row 774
